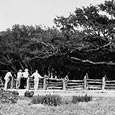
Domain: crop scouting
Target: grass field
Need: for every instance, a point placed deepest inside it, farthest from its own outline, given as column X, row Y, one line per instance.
column 100, row 105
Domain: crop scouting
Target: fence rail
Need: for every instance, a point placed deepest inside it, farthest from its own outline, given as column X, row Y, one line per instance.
column 64, row 84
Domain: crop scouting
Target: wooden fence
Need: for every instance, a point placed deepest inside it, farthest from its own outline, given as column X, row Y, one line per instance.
column 64, row 84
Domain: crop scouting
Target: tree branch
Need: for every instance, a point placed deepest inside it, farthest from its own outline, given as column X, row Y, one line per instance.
column 90, row 50
column 3, row 63
column 92, row 62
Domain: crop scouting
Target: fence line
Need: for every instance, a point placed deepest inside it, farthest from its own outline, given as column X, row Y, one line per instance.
column 64, row 84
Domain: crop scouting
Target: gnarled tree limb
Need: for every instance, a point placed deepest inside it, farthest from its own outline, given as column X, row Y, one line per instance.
column 92, row 62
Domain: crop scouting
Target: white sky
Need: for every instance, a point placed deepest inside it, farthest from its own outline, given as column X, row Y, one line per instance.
column 37, row 12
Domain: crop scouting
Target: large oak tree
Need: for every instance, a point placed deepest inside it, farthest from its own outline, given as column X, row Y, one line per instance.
column 84, row 43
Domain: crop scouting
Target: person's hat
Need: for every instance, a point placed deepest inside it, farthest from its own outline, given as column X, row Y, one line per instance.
column 36, row 70
column 26, row 69
column 20, row 70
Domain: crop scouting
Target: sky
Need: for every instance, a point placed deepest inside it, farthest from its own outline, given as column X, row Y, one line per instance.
column 37, row 12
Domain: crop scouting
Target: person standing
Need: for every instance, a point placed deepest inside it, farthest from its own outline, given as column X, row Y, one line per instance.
column 36, row 76
column 26, row 78
column 18, row 80
column 7, row 79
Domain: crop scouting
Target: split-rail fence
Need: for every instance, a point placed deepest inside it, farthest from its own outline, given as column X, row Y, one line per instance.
column 66, row 84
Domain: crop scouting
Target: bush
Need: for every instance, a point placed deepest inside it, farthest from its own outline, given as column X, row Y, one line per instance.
column 52, row 100
column 85, row 98
column 29, row 93
column 8, row 96
column 15, row 93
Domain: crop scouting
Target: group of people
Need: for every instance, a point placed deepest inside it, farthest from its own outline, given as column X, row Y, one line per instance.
column 22, row 76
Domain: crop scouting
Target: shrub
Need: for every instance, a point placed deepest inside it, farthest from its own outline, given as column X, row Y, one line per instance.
column 29, row 93
column 8, row 96
column 85, row 98
column 15, row 92
column 38, row 99
column 52, row 100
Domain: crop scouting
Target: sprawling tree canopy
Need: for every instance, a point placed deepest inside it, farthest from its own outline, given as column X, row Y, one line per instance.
column 96, row 46
column 84, row 43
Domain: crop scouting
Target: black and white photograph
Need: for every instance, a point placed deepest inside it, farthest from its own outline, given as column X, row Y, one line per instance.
column 57, row 57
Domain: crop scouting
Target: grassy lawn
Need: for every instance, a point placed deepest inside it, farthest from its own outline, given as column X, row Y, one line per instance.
column 98, row 106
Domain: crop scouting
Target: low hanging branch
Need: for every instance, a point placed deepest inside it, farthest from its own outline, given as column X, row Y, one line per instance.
column 91, row 62
column 91, row 50
column 3, row 63
column 45, row 56
column 47, row 53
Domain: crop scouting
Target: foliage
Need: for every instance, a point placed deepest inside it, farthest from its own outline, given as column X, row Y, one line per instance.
column 52, row 100
column 97, row 27
column 24, row 46
column 8, row 96
column 29, row 93
column 15, row 93
column 85, row 98
column 85, row 40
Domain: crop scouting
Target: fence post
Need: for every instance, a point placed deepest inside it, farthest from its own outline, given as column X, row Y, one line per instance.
column 12, row 79
column 64, row 84
column 103, row 83
column 27, row 87
column 85, row 82
column 44, row 83
column 51, row 75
